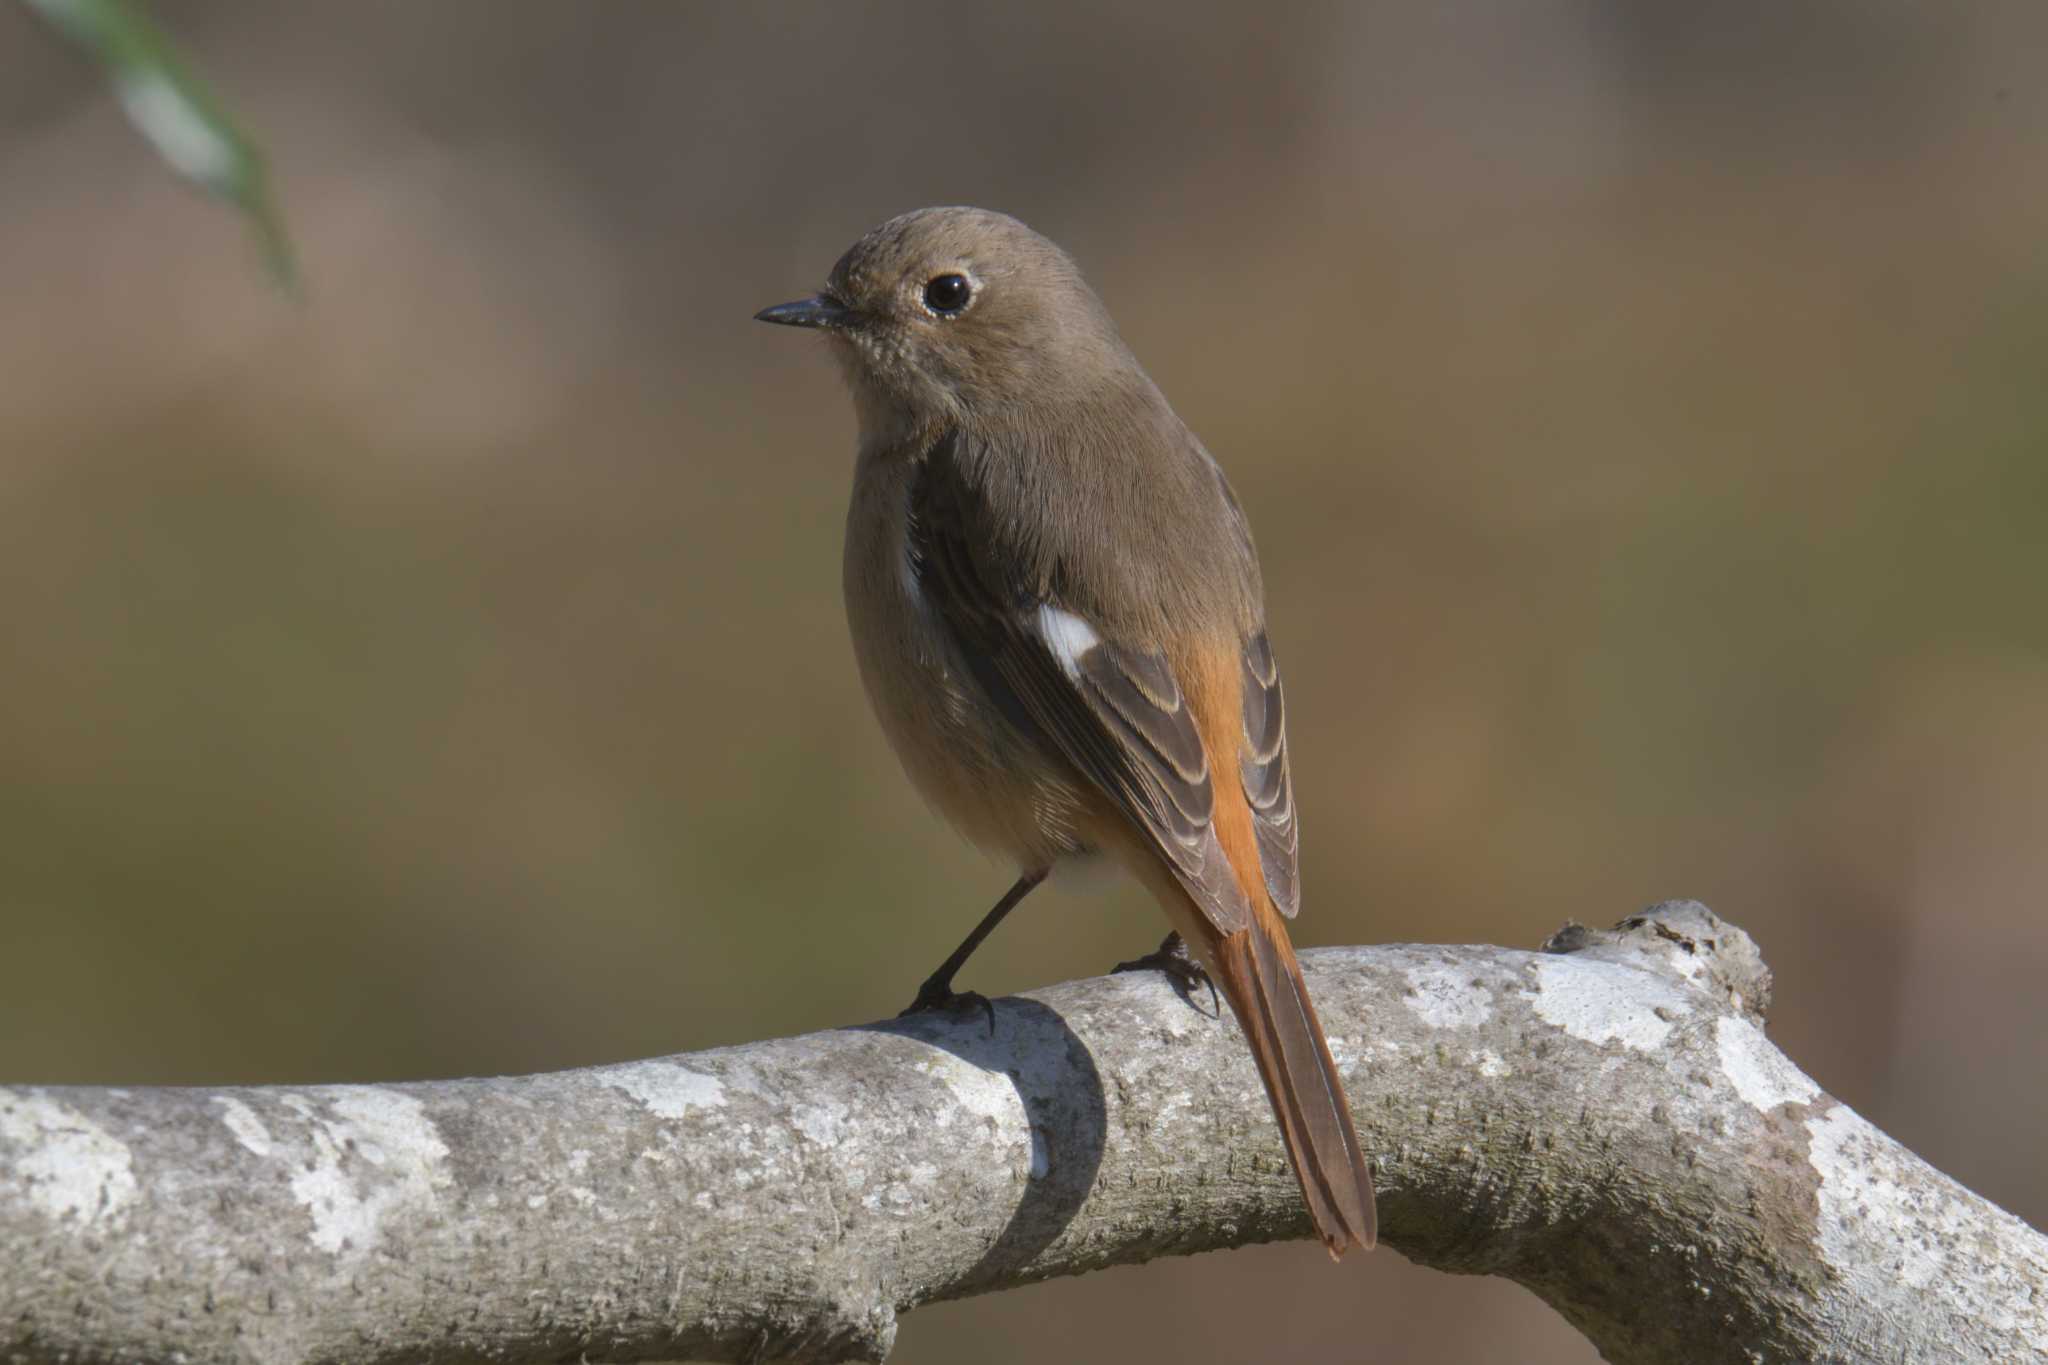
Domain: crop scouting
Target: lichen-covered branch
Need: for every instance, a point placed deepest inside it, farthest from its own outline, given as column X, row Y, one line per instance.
column 1604, row 1122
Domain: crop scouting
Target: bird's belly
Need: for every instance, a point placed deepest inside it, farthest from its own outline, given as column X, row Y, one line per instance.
column 964, row 756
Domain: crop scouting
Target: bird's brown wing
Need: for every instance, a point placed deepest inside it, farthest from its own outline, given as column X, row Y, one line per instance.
column 1112, row 710
column 1116, row 712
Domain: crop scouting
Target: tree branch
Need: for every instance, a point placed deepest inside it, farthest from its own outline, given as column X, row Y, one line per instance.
column 1603, row 1122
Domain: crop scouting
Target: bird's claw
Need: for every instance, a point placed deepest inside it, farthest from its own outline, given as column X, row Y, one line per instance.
column 1173, row 958
column 937, row 996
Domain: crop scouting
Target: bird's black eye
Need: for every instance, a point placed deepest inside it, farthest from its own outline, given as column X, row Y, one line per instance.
column 947, row 294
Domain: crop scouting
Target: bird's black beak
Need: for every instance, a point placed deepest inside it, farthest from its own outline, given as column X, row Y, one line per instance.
column 819, row 310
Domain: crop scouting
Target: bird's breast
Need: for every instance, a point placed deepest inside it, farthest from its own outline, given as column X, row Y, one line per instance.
column 995, row 784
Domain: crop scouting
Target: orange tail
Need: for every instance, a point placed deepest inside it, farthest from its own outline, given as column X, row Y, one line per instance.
column 1257, row 969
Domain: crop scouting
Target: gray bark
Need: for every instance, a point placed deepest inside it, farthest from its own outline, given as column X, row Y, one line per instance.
column 1603, row 1122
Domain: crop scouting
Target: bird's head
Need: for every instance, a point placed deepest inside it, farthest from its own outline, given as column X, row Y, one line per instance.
column 944, row 314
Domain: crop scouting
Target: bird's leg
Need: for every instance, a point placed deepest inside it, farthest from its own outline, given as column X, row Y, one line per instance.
column 1173, row 958
column 937, row 992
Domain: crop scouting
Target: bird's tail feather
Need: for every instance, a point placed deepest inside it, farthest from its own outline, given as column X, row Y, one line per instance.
column 1262, row 979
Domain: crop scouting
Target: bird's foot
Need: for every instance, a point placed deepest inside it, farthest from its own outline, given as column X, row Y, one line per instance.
column 937, row 995
column 1173, row 958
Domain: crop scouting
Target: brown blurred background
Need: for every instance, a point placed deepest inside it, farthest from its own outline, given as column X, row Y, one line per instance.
column 1641, row 407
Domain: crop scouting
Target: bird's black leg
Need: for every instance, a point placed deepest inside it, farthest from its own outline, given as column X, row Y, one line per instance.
column 1173, row 958
column 937, row 993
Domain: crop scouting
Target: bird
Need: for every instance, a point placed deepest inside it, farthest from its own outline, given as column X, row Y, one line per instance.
column 1058, row 616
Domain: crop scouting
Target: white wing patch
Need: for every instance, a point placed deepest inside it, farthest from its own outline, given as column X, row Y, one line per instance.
column 1068, row 636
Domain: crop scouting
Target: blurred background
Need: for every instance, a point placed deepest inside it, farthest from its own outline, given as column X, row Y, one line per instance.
column 1641, row 408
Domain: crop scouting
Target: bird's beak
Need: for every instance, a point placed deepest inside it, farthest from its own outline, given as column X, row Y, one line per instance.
column 819, row 310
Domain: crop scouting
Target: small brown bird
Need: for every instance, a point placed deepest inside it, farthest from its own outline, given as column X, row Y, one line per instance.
column 1059, row 621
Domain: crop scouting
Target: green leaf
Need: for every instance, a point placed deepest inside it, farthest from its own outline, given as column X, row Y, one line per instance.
column 177, row 113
